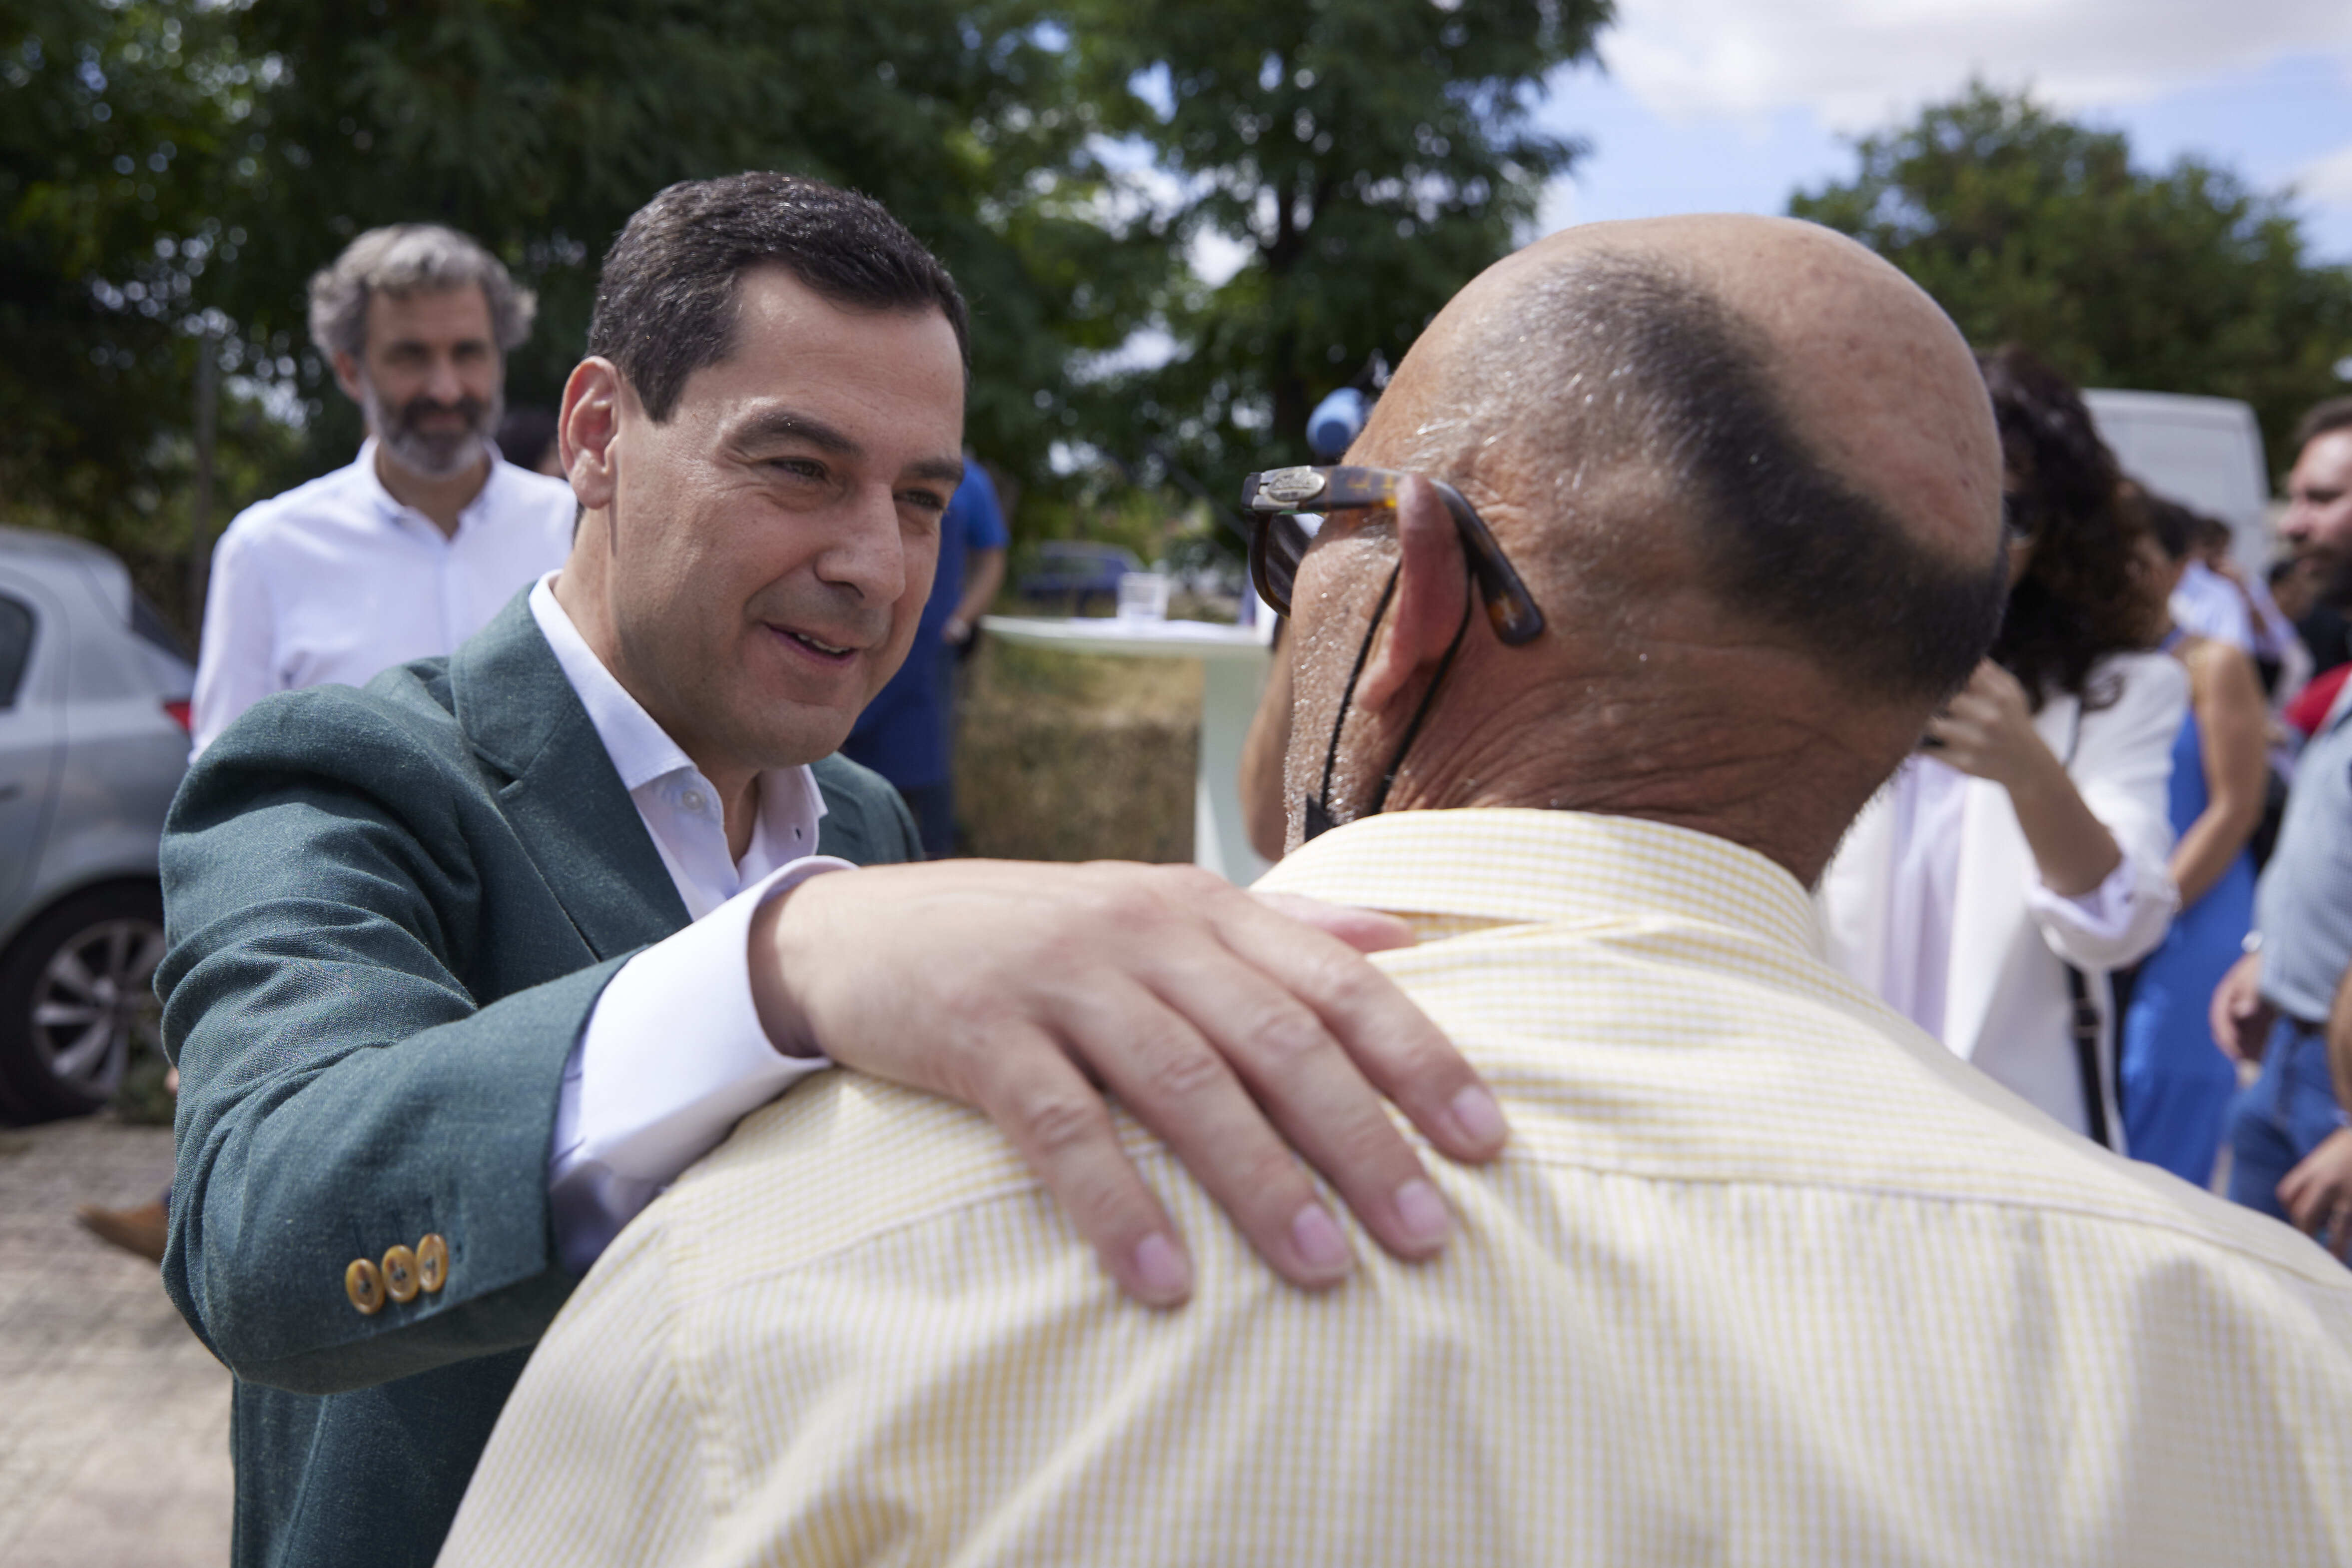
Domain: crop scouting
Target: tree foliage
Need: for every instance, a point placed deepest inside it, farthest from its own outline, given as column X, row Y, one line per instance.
column 174, row 171
column 1367, row 158
column 539, row 127
column 2032, row 228
column 176, row 166
column 113, row 124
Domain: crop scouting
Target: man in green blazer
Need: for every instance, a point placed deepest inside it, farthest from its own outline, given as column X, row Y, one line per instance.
column 465, row 967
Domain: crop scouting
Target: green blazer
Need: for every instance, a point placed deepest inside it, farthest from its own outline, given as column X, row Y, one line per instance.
column 390, row 913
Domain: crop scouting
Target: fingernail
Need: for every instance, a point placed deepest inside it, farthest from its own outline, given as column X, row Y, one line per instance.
column 1161, row 1269
column 1422, row 1214
column 1478, row 1118
column 1317, row 1236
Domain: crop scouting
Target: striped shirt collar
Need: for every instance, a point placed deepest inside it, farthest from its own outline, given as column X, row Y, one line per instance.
column 1524, row 865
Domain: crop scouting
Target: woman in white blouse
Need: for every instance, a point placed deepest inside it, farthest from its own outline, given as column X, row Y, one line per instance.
column 2020, row 856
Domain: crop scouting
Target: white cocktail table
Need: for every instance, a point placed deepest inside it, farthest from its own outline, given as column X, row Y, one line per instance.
column 1234, row 661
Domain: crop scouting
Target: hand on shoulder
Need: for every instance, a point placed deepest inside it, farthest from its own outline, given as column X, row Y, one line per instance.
column 1236, row 1032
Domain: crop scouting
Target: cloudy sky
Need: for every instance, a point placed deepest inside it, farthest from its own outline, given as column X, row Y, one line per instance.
column 1728, row 105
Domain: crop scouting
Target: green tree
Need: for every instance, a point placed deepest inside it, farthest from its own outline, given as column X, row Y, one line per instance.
column 539, row 127
column 2030, row 227
column 1368, row 157
column 182, row 165
column 113, row 122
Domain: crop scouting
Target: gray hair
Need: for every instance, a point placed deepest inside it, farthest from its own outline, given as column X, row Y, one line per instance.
column 401, row 259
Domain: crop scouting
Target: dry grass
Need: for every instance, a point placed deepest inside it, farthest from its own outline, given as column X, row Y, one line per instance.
column 1068, row 757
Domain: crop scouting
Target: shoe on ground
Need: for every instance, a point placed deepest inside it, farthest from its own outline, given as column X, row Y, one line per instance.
column 141, row 1230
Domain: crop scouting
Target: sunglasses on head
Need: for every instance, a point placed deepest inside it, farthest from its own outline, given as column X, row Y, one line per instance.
column 1279, row 536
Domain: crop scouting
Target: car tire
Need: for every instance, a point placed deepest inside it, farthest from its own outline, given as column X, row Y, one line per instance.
column 77, row 997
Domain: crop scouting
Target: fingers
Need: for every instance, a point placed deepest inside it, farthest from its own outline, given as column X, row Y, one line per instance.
column 1065, row 1132
column 1388, row 1041
column 1188, row 1091
column 2295, row 1195
column 1365, row 930
column 2233, row 1002
column 1288, row 1069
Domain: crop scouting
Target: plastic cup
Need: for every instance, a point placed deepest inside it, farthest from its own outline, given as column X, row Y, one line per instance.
column 1143, row 596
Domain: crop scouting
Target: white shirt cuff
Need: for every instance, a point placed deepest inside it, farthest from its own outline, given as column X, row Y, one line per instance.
column 2115, row 924
column 671, row 1057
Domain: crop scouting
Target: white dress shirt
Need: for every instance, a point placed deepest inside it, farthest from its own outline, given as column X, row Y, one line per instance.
column 1930, row 799
column 1935, row 900
column 644, row 1097
column 335, row 579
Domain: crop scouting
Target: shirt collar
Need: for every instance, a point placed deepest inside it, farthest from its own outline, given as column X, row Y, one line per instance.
column 641, row 751
column 390, row 509
column 1530, row 866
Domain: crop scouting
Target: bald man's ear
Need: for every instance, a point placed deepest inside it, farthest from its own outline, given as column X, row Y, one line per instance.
column 1433, row 582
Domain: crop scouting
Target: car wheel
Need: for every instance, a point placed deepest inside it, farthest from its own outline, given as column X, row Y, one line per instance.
column 77, row 997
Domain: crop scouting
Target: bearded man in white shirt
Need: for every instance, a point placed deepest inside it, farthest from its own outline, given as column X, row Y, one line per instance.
column 412, row 546
column 1663, row 545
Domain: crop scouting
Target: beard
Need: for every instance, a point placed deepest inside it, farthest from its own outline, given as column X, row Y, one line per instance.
column 2331, row 576
column 432, row 453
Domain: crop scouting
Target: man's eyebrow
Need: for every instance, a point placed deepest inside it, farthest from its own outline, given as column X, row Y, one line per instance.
column 783, row 424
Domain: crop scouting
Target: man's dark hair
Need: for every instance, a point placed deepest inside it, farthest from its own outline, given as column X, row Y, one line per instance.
column 1784, row 539
column 2321, row 419
column 666, row 298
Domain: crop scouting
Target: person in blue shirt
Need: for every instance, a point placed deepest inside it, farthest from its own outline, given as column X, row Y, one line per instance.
column 907, row 734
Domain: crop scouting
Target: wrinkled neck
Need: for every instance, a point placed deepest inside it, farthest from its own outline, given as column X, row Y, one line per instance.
column 1746, row 743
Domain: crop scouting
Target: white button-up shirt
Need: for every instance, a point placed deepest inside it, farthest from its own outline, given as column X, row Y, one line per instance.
column 335, row 579
column 643, row 1097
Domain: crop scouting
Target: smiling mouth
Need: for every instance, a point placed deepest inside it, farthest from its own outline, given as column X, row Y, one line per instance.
column 817, row 646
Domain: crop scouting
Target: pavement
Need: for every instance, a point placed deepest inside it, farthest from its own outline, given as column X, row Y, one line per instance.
column 113, row 1416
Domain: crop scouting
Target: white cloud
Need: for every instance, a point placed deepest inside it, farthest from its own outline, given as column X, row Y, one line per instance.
column 2327, row 180
column 1860, row 63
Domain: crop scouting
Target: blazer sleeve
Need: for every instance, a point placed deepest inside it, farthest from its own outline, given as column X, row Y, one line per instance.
column 2123, row 767
column 342, row 1093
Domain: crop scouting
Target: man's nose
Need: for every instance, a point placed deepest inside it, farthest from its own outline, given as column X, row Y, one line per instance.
column 443, row 385
column 869, row 552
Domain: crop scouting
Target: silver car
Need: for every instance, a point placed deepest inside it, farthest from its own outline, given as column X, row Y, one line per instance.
column 93, row 739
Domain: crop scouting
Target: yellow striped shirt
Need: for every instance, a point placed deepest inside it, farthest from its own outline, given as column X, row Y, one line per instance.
column 1766, row 1276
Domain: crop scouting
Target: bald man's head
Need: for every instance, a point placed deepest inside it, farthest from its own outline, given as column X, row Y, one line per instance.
column 1637, row 387
column 1751, row 474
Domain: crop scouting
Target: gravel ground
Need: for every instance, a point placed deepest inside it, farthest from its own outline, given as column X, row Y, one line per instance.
column 113, row 1418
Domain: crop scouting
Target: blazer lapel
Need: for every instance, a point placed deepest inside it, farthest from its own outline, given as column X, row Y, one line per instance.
column 560, row 794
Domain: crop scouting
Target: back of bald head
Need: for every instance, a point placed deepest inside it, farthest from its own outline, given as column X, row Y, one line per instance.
column 1647, row 386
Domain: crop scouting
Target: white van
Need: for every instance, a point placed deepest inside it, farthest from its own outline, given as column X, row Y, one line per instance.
column 2203, row 451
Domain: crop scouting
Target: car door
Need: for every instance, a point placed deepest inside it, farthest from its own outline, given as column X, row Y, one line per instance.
column 32, row 674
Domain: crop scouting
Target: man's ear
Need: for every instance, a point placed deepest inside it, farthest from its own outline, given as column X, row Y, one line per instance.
column 1432, row 579
column 347, row 376
column 586, row 427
